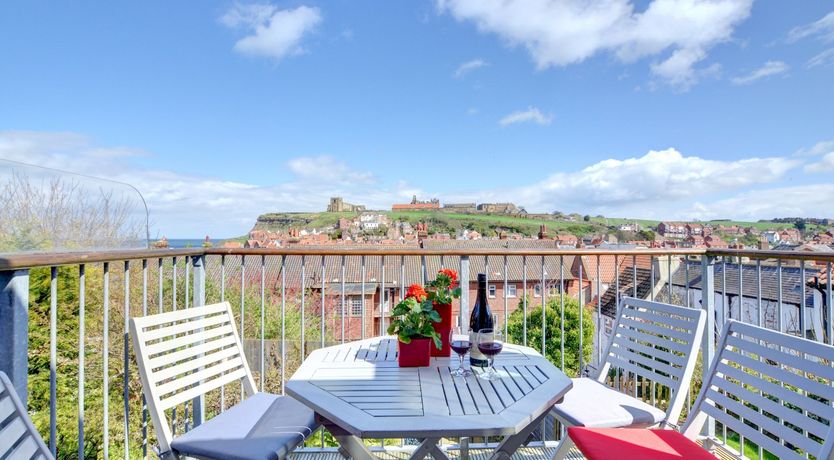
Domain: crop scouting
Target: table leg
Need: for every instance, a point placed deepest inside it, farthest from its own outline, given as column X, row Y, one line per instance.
column 510, row 444
column 353, row 448
column 429, row 446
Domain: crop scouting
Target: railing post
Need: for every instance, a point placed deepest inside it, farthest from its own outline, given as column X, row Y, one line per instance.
column 198, row 300
column 464, row 293
column 708, row 346
column 14, row 329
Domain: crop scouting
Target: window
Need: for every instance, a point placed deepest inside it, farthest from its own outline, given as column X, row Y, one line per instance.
column 511, row 290
column 492, row 291
column 537, row 290
column 356, row 306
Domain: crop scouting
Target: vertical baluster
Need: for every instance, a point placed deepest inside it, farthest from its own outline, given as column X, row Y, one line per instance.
column 725, row 307
column 144, row 405
column 581, row 326
column 263, row 320
column 616, row 304
column 802, row 302
column 669, row 276
column 506, row 300
column 562, row 309
column 634, row 276
column 599, row 314
column 82, row 301
column 829, row 303
column 343, row 298
column 303, row 298
column 465, row 284
column 779, row 322
column 174, row 308
column 159, row 271
column 53, row 360
column 759, row 309
column 686, row 282
column 222, row 299
column 651, row 289
column 362, row 275
column 525, row 298
column 544, row 309
column 105, row 384
column 740, row 291
column 382, row 299
column 242, row 306
column 126, row 364
column 402, row 278
column 323, row 322
column 283, row 321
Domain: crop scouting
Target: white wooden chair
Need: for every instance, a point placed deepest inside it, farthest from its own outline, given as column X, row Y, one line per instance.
column 657, row 342
column 187, row 353
column 774, row 389
column 18, row 437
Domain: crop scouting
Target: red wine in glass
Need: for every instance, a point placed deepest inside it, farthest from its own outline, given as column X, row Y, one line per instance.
column 490, row 348
column 461, row 346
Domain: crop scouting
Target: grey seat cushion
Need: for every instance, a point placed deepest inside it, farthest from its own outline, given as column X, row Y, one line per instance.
column 262, row 427
column 594, row 405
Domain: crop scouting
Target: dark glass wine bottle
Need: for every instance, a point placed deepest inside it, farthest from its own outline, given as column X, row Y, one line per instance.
column 480, row 318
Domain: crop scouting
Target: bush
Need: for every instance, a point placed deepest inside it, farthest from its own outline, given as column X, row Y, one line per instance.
column 553, row 349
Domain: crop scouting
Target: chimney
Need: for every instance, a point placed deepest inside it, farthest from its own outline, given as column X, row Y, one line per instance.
column 543, row 232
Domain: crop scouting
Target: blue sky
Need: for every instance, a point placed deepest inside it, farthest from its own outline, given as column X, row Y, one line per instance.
column 219, row 111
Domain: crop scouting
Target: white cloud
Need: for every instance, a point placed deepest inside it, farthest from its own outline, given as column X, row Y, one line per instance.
column 801, row 200
column 326, row 168
column 825, row 150
column 273, row 32
column 469, row 66
column 472, row 111
column 678, row 34
column 823, row 29
column 822, row 59
column 769, row 68
column 531, row 115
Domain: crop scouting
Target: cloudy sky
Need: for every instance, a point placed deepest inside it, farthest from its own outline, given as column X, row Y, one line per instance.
column 219, row 111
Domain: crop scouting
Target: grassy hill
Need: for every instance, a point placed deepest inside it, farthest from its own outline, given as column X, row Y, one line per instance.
column 486, row 224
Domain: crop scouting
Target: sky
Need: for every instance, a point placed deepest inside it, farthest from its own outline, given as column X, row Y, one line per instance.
column 218, row 111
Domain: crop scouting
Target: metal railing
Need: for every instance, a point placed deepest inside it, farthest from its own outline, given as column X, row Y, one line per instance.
column 289, row 302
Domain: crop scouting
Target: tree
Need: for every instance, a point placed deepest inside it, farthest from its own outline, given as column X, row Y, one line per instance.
column 587, row 218
column 553, row 331
column 646, row 235
column 800, row 225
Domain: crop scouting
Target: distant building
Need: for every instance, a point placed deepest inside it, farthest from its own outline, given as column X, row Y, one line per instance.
column 633, row 227
column 671, row 230
column 499, row 208
column 463, row 208
column 339, row 205
column 417, row 205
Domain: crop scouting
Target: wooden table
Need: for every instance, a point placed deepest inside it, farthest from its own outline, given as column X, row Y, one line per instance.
column 358, row 391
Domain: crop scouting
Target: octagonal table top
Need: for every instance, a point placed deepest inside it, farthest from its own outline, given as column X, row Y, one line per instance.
column 360, row 387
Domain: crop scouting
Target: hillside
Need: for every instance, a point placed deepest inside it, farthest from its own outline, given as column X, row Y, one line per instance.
column 486, row 224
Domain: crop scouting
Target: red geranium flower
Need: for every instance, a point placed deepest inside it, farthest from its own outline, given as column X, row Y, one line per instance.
column 417, row 292
column 453, row 275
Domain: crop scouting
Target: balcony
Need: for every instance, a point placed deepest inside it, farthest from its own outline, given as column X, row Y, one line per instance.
column 67, row 349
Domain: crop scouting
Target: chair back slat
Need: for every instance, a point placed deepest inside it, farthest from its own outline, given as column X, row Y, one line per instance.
column 185, row 354
column 657, row 342
column 18, row 437
column 774, row 389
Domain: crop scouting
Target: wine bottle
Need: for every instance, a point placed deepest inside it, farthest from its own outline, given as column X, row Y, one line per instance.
column 480, row 318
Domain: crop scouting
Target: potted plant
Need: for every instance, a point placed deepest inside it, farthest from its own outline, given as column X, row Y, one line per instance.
column 413, row 326
column 441, row 292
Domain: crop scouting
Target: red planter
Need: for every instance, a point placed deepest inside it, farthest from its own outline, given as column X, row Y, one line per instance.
column 443, row 328
column 414, row 354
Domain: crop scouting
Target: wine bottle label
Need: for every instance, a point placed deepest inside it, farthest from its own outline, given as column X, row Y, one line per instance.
column 476, row 358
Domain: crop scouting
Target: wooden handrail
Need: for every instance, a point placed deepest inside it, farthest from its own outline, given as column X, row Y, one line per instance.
column 50, row 259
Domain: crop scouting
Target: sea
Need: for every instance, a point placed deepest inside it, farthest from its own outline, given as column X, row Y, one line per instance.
column 177, row 243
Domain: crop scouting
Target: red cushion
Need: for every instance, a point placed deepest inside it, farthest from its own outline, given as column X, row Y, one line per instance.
column 636, row 444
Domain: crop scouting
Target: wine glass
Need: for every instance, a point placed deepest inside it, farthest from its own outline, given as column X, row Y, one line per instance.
column 459, row 341
column 490, row 343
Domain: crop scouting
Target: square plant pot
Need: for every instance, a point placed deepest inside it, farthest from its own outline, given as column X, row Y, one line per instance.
column 414, row 354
